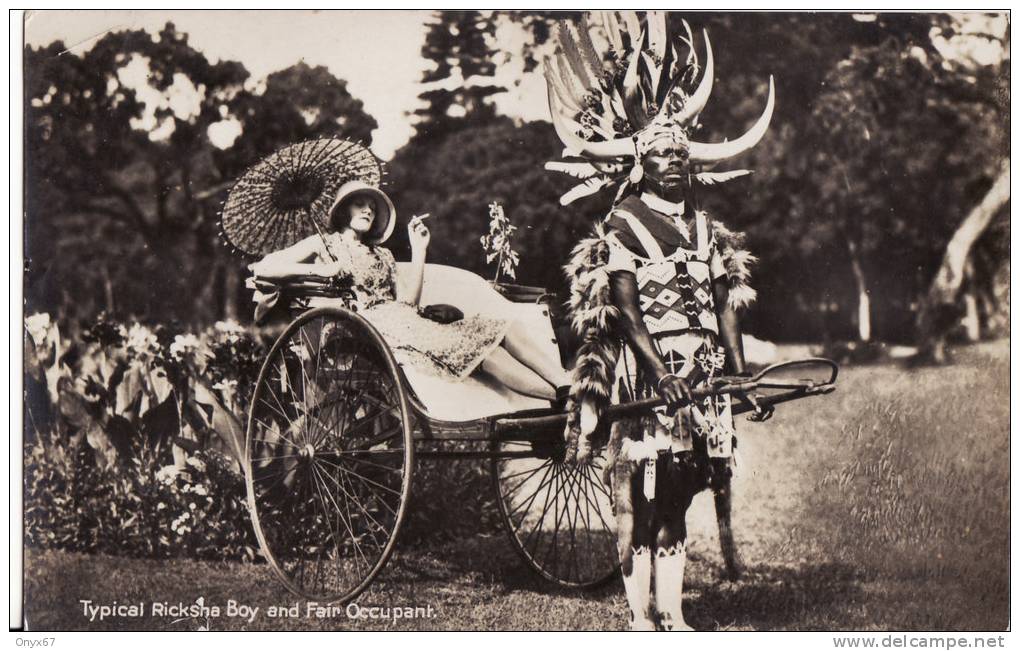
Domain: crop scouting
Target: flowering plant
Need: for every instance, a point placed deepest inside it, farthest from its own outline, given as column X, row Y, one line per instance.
column 134, row 390
column 497, row 243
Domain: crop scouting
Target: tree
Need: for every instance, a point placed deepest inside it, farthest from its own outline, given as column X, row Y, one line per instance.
column 939, row 309
column 460, row 43
column 119, row 196
column 500, row 161
column 967, row 262
column 107, row 199
column 298, row 103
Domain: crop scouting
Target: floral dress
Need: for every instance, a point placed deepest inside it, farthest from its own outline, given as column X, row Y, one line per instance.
column 450, row 350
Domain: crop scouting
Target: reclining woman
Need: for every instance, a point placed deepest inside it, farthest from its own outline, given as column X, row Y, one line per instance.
column 361, row 218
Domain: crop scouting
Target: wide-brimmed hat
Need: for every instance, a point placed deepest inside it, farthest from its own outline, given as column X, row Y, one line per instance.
column 385, row 214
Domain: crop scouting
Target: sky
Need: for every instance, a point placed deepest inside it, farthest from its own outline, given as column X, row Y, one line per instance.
column 377, row 52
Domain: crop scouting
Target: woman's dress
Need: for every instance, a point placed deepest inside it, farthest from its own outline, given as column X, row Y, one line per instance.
column 450, row 350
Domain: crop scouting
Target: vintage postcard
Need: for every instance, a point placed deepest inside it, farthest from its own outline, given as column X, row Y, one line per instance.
column 516, row 320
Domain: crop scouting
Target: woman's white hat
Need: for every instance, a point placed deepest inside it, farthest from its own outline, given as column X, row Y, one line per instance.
column 385, row 213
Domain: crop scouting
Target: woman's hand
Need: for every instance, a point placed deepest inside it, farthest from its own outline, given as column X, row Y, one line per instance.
column 328, row 269
column 418, row 234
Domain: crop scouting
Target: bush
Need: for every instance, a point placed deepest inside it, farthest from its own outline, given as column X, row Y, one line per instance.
column 138, row 508
column 451, row 498
column 133, row 439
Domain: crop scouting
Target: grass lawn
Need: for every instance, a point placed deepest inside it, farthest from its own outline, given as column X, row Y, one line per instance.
column 882, row 506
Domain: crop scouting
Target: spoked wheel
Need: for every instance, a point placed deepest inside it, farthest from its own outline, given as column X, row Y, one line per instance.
column 329, row 455
column 559, row 516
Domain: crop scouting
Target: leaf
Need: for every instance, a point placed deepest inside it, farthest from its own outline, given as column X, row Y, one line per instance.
column 160, row 384
column 100, row 442
column 224, row 423
column 160, row 423
column 121, row 435
column 73, row 407
column 129, row 390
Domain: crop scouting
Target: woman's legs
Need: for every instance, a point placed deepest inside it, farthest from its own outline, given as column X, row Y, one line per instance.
column 502, row 365
column 522, row 347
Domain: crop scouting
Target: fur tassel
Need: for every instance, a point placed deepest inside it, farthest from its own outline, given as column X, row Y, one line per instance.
column 741, row 296
column 738, row 263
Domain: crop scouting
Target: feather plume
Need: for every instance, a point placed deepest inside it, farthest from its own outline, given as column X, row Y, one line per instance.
column 712, row 178
column 573, row 56
column 578, row 170
column 591, row 58
column 692, row 53
column 589, row 187
column 656, row 21
column 569, row 80
column 562, row 92
column 612, row 27
column 634, row 111
column 633, row 24
column 649, row 78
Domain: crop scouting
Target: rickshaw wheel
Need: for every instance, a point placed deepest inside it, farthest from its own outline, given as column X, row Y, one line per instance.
column 559, row 516
column 329, row 455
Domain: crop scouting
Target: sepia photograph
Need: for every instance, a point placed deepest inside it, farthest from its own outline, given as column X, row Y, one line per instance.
column 501, row 320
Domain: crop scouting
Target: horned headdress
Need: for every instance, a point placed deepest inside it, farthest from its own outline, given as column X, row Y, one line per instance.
column 609, row 109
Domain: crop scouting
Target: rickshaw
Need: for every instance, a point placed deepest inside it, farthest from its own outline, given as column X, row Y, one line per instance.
column 336, row 424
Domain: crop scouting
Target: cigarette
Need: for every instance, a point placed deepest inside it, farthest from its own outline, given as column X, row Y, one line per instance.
column 425, row 216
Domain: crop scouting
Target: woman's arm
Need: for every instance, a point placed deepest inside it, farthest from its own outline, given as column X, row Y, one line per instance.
column 409, row 291
column 294, row 260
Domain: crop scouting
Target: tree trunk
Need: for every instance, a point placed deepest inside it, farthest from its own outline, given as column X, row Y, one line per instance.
column 231, row 283
column 863, row 297
column 971, row 316
column 939, row 309
column 108, row 291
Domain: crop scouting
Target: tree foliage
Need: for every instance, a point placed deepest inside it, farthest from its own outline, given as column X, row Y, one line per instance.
column 460, row 44
column 457, row 178
column 879, row 146
column 120, row 196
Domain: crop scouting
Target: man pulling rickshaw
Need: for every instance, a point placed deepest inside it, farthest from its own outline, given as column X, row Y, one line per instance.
column 654, row 293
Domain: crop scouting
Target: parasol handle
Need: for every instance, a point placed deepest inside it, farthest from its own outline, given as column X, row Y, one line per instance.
column 325, row 242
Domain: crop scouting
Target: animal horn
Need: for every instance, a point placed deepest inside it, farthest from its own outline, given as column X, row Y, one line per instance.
column 699, row 98
column 713, row 153
column 606, row 149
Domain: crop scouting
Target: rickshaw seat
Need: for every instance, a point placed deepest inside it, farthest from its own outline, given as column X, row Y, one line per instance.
column 479, row 395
